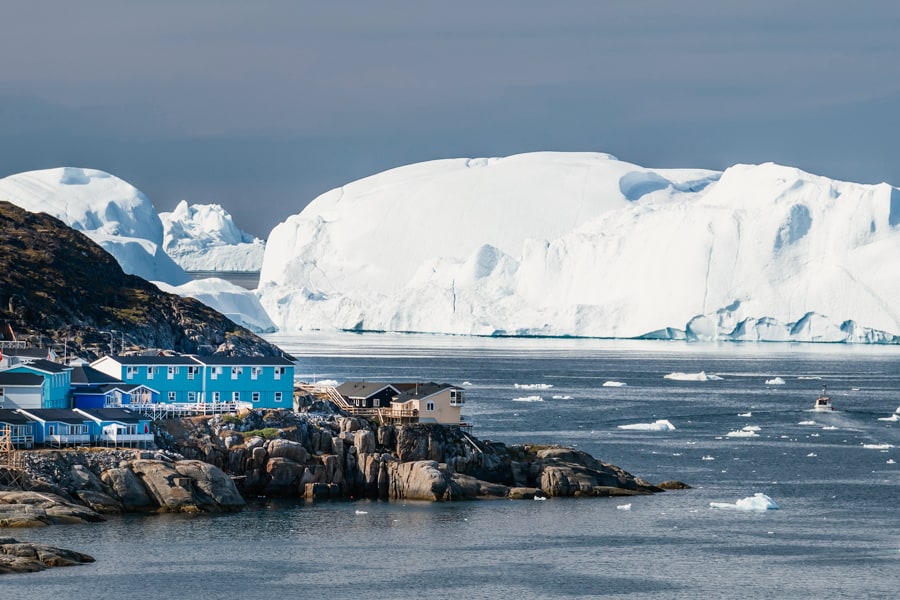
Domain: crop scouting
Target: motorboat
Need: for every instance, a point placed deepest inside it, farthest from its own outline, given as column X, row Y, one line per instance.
column 823, row 402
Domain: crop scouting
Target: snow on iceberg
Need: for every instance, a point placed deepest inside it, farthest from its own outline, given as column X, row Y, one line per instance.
column 581, row 244
column 110, row 211
column 238, row 304
column 756, row 502
column 660, row 425
column 203, row 237
column 701, row 376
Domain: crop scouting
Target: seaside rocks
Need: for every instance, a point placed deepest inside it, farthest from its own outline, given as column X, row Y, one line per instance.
column 36, row 509
column 24, row 557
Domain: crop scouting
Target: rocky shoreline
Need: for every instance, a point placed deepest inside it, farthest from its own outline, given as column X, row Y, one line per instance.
column 211, row 463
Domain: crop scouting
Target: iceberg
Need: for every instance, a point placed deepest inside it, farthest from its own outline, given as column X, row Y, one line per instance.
column 203, row 237
column 775, row 381
column 583, row 244
column 113, row 213
column 614, row 384
column 701, row 376
column 237, row 303
column 756, row 502
column 660, row 425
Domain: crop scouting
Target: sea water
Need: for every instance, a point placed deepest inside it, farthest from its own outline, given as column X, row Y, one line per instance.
column 833, row 476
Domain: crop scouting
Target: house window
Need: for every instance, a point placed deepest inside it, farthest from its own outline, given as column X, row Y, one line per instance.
column 131, row 428
column 429, row 406
column 150, row 371
column 2, row 396
column 277, row 396
column 279, row 371
column 215, row 396
column 171, row 396
column 255, row 396
column 235, row 396
column 214, row 373
column 254, row 372
column 173, row 371
column 130, row 372
column 192, row 372
column 236, row 371
column 192, row 396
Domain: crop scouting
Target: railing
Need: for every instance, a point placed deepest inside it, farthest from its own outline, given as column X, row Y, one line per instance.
column 126, row 439
column 13, row 344
column 59, row 440
column 165, row 410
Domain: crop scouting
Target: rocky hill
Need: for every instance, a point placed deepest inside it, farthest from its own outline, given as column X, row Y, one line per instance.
column 57, row 286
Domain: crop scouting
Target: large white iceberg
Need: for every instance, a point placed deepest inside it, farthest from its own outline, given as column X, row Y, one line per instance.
column 112, row 212
column 582, row 244
column 238, row 304
column 203, row 237
column 756, row 502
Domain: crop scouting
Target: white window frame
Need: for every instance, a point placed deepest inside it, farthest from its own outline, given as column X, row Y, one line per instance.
column 236, row 372
column 192, row 372
column 255, row 372
column 215, row 396
column 254, row 396
column 172, row 396
column 214, row 372
column 172, row 372
column 279, row 371
column 130, row 372
column 277, row 396
column 150, row 372
column 192, row 397
column 235, row 396
column 429, row 406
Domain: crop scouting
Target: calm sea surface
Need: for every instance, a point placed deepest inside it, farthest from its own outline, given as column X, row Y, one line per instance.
column 834, row 477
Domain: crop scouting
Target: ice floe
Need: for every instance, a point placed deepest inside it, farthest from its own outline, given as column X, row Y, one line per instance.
column 746, row 414
column 756, row 502
column 775, row 381
column 532, row 386
column 748, row 431
column 529, row 399
column 701, row 376
column 893, row 418
column 624, row 507
column 562, row 397
column 660, row 425
column 878, row 446
column 614, row 384
column 708, row 457
column 806, row 423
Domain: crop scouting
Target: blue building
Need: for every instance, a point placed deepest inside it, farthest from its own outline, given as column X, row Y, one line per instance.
column 260, row 382
column 59, row 427
column 19, row 428
column 118, row 427
column 57, row 381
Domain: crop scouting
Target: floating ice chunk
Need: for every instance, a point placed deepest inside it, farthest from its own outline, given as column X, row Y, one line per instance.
column 830, row 428
column 540, row 498
column 660, row 425
column 812, row 455
column 742, row 433
column 533, row 386
column 751, row 428
column 362, row 512
column 891, row 461
column 562, row 397
column 327, row 383
column 624, row 506
column 775, row 381
column 746, row 414
column 756, row 502
column 467, row 383
column 809, row 377
column 529, row 399
column 893, row 418
column 708, row 457
column 701, row 376
column 614, row 384
column 878, row 446
column 806, row 423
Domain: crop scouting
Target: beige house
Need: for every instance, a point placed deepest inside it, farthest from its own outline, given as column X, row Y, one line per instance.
column 400, row 403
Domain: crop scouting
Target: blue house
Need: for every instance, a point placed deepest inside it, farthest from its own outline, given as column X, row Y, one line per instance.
column 59, row 426
column 261, row 382
column 113, row 395
column 19, row 427
column 57, row 381
column 118, row 427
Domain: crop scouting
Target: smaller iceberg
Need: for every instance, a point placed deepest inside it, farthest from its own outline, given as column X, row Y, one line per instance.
column 756, row 502
column 529, row 399
column 701, row 376
column 660, row 425
column 532, row 386
column 614, row 384
column 775, row 381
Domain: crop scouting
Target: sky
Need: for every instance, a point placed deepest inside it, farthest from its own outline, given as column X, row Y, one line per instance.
column 262, row 106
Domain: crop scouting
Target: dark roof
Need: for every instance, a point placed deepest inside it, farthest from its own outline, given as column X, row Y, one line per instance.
column 11, row 417
column 422, row 390
column 87, row 375
column 47, row 366
column 29, row 379
column 121, row 415
column 28, row 352
column 242, row 361
column 361, row 389
column 60, row 415
column 152, row 360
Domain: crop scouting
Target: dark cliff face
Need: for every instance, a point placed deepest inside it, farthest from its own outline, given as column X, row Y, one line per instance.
column 56, row 284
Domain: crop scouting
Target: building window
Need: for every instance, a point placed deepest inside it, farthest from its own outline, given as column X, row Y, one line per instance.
column 171, row 396
column 456, row 397
column 130, row 372
column 279, row 371
column 192, row 396
column 2, row 396
column 255, row 372
column 277, row 396
column 235, row 396
column 173, row 371
column 429, row 406
column 150, row 371
column 214, row 373
column 255, row 396
column 236, row 372
column 376, row 403
column 192, row 372
column 215, row 396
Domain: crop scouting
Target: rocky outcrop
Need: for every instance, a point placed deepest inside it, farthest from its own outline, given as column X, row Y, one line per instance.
column 77, row 486
column 25, row 557
column 326, row 456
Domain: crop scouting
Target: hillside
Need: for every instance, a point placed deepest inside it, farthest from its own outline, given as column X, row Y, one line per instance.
column 55, row 283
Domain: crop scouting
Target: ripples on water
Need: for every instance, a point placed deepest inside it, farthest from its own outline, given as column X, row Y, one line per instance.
column 837, row 532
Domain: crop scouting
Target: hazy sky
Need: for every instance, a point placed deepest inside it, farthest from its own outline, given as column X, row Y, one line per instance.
column 261, row 106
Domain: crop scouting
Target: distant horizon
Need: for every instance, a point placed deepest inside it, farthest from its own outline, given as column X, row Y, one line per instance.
column 261, row 109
